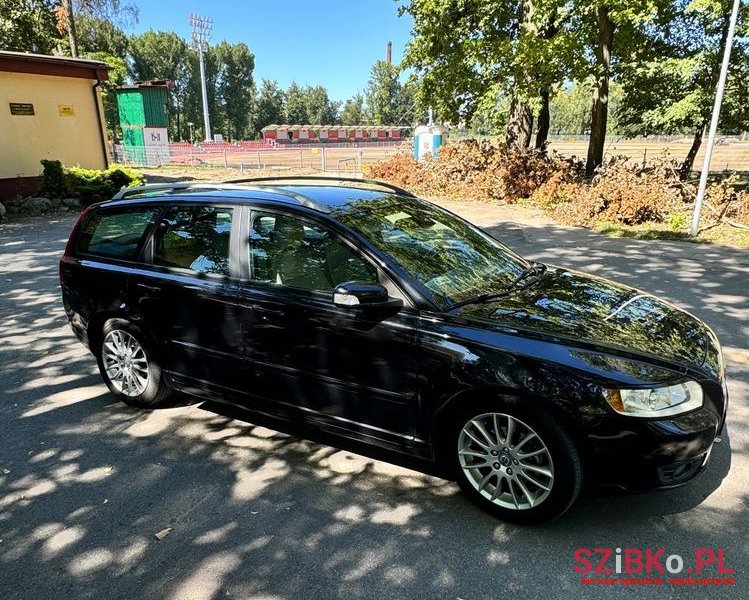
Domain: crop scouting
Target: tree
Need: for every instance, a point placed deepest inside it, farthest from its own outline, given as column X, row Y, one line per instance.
column 570, row 110
column 28, row 26
column 295, row 106
column 382, row 93
column 669, row 86
column 388, row 101
column 269, row 105
column 320, row 110
column 112, row 11
column 99, row 35
column 235, row 86
column 471, row 54
column 117, row 77
column 353, row 110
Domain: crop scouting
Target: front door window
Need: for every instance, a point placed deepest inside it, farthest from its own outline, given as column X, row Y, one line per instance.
column 288, row 251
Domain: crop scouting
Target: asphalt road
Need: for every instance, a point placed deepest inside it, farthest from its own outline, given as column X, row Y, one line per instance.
column 86, row 482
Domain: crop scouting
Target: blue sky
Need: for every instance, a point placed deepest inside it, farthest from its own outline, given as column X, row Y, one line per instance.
column 328, row 42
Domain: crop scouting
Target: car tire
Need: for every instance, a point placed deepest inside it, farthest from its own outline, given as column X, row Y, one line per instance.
column 521, row 480
column 130, row 367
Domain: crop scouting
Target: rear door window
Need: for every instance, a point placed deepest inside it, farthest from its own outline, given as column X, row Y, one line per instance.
column 116, row 233
column 194, row 238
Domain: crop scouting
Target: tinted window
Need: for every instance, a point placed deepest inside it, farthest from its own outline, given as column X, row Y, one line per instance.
column 287, row 251
column 116, row 234
column 453, row 259
column 194, row 237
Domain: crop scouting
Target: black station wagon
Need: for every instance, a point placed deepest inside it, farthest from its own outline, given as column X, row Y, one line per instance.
column 359, row 310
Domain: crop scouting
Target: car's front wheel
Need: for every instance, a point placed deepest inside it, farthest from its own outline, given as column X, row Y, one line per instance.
column 129, row 367
column 516, row 462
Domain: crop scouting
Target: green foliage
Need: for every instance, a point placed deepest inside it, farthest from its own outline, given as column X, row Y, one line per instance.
column 353, row 110
column 320, row 110
column 677, row 221
column 389, row 102
column 295, row 108
column 28, row 26
column 117, row 76
column 269, row 105
column 669, row 85
column 96, row 35
column 95, row 185
column 236, row 89
column 309, row 105
column 472, row 53
column 53, row 179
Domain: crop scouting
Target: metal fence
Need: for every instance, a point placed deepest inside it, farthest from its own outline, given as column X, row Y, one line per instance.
column 341, row 157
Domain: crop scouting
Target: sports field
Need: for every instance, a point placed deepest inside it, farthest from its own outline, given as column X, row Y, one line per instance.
column 728, row 154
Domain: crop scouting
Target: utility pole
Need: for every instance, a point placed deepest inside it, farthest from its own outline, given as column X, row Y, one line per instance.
column 714, row 121
column 201, row 33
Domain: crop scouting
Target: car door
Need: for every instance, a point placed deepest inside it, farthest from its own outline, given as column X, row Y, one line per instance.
column 184, row 295
column 303, row 351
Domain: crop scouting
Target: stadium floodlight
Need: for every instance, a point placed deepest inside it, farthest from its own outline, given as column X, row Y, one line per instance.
column 201, row 34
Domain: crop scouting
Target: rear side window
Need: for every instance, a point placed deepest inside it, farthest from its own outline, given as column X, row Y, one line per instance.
column 115, row 233
column 195, row 238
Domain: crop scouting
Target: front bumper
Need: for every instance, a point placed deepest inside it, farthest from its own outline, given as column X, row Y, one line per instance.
column 639, row 455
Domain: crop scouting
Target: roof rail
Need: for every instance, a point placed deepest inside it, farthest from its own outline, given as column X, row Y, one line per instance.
column 215, row 185
column 167, row 187
column 279, row 178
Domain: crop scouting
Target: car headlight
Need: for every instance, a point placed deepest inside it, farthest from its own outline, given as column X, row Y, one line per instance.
column 656, row 402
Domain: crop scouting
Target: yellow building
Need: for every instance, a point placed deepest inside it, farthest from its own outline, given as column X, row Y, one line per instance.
column 50, row 107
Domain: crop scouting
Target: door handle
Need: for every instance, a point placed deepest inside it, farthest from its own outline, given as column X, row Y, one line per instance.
column 267, row 313
column 152, row 289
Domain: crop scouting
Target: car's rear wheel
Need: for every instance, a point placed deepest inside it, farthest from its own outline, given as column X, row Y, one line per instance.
column 516, row 462
column 129, row 367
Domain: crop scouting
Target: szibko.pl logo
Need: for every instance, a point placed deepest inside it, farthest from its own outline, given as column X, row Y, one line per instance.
column 651, row 566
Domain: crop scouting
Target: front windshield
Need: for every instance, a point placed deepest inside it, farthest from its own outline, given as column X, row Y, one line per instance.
column 451, row 258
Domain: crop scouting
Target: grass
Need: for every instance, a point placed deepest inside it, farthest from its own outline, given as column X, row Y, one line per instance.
column 709, row 234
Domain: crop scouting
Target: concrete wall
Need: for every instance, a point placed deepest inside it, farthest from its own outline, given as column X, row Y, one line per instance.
column 25, row 140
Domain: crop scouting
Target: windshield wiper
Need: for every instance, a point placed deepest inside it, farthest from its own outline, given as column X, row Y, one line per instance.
column 536, row 268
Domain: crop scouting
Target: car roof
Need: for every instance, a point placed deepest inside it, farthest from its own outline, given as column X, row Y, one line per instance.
column 322, row 194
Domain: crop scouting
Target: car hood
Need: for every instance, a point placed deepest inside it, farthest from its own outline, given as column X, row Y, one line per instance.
column 597, row 311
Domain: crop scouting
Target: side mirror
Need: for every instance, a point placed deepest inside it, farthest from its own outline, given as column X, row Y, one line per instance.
column 359, row 293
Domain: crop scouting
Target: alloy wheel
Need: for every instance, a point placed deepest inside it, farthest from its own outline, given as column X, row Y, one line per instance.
column 125, row 363
column 506, row 461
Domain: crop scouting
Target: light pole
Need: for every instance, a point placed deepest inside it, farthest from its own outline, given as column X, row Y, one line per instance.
column 190, row 124
column 714, row 120
column 201, row 33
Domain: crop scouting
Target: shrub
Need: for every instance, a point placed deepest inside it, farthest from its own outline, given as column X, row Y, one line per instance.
column 53, row 179
column 93, row 185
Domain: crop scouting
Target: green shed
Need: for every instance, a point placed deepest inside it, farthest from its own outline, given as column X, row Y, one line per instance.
column 143, row 117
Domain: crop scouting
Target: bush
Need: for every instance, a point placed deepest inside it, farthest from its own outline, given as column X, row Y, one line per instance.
column 53, row 179
column 93, row 185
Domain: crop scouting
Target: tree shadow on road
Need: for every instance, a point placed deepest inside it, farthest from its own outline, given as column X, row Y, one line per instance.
column 258, row 513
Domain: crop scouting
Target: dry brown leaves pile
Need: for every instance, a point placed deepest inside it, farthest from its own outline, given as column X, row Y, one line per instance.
column 620, row 192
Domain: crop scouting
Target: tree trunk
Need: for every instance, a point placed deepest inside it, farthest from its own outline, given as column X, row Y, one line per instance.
column 688, row 164
column 544, row 120
column 520, row 124
column 600, row 112
column 72, row 36
column 520, row 121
